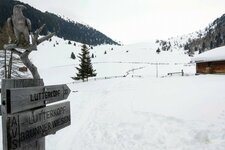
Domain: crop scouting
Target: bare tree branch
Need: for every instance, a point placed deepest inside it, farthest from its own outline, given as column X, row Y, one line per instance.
column 38, row 31
column 24, row 55
column 39, row 41
column 26, row 61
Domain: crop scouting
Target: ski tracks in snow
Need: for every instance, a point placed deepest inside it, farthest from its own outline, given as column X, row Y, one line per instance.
column 107, row 121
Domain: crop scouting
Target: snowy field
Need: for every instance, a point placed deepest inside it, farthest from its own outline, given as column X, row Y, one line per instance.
column 133, row 104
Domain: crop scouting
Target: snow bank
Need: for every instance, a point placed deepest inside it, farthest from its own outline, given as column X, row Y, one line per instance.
column 145, row 113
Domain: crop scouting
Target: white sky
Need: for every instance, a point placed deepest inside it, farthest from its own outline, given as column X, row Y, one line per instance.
column 132, row 21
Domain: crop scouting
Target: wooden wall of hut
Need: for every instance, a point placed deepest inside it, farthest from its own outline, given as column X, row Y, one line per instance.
column 217, row 67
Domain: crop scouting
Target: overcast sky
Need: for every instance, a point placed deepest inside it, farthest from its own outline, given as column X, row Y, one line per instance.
column 133, row 21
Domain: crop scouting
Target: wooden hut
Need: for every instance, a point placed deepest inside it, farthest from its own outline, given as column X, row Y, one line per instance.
column 211, row 62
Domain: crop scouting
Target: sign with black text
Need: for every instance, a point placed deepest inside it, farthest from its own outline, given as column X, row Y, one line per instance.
column 20, row 99
column 29, row 126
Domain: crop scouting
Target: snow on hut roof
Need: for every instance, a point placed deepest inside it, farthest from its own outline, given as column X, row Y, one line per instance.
column 217, row 54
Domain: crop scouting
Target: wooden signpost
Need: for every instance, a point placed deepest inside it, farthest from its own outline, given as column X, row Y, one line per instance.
column 26, row 119
column 19, row 99
column 31, row 125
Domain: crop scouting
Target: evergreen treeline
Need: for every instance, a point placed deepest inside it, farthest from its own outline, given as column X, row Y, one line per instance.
column 214, row 37
column 66, row 29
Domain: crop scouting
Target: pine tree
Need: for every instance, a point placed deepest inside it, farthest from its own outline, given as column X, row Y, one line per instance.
column 211, row 45
column 72, row 56
column 85, row 68
column 158, row 51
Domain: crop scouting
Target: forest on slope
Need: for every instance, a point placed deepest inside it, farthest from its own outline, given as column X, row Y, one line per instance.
column 66, row 29
column 213, row 36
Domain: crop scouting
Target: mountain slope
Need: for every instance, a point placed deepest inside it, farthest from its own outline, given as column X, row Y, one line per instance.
column 137, row 111
column 126, row 107
column 212, row 36
column 66, row 29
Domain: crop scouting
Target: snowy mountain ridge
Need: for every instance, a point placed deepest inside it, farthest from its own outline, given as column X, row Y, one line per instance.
column 180, row 42
column 197, row 42
column 67, row 29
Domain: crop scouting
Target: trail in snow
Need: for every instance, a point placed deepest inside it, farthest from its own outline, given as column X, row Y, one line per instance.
column 133, row 70
column 110, row 117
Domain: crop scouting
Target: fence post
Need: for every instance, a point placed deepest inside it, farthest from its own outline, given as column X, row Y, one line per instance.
column 157, row 70
column 17, row 83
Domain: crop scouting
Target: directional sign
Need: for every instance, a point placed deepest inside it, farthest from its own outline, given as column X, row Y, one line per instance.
column 25, row 127
column 20, row 99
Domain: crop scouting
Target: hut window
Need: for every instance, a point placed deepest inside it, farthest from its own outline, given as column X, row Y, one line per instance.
column 209, row 64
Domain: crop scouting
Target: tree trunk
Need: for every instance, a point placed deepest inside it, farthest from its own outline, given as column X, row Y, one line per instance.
column 24, row 55
column 33, row 69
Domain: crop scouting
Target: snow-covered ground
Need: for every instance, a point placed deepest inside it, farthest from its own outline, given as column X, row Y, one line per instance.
column 133, row 104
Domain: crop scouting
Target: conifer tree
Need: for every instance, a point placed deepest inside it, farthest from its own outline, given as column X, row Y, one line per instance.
column 85, row 69
column 92, row 55
column 158, row 51
column 72, row 56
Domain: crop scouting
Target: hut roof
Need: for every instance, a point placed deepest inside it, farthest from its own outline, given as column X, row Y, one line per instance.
column 217, row 54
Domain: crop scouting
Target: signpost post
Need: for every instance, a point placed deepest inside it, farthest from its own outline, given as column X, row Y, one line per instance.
column 26, row 119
